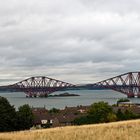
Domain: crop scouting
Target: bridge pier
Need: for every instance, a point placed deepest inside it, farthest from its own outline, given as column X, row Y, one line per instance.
column 36, row 94
column 43, row 95
column 29, row 96
column 130, row 95
column 138, row 95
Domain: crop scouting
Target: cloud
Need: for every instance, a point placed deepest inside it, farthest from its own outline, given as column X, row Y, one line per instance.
column 75, row 41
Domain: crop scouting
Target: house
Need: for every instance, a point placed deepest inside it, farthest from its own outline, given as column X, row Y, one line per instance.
column 66, row 116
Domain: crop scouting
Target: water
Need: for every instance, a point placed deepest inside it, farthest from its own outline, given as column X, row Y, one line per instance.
column 86, row 97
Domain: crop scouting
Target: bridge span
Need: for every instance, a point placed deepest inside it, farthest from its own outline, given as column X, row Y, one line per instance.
column 128, row 84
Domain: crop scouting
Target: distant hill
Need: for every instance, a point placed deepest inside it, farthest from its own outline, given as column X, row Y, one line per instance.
column 126, row 130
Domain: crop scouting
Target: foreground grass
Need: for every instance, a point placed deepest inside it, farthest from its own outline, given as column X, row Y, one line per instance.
column 127, row 130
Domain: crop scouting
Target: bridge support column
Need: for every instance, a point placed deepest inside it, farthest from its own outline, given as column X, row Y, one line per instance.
column 29, row 96
column 43, row 95
column 35, row 95
column 138, row 95
column 130, row 95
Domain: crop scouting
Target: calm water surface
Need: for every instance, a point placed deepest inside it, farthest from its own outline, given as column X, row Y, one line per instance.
column 86, row 97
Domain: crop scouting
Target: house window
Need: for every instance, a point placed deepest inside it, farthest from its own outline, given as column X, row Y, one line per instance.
column 44, row 121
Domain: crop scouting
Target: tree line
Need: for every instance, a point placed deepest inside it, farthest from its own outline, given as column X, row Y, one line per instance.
column 102, row 112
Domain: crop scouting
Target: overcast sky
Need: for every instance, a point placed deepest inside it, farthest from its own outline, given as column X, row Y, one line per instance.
column 78, row 41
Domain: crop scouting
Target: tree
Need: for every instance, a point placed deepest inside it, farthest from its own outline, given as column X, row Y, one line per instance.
column 25, row 117
column 7, row 116
column 100, row 112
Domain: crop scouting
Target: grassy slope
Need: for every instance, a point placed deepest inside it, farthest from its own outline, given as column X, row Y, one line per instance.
column 127, row 130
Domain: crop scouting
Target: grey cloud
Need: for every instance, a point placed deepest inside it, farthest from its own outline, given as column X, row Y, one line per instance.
column 88, row 40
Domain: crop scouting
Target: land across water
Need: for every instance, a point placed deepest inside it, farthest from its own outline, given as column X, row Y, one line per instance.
column 66, row 94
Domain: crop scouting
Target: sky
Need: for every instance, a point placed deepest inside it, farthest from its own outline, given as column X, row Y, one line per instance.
column 78, row 41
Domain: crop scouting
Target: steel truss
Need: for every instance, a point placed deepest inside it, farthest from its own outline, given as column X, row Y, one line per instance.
column 128, row 84
column 40, row 86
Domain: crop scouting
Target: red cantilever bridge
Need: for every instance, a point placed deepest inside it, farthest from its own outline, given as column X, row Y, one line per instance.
column 128, row 84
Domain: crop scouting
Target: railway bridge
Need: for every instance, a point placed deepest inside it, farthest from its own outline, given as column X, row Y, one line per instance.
column 127, row 83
